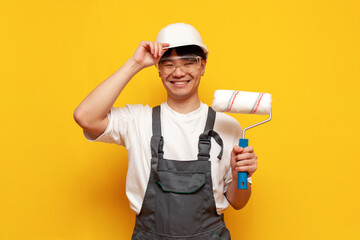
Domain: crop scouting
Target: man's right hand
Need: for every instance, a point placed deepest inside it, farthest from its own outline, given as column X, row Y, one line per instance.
column 149, row 53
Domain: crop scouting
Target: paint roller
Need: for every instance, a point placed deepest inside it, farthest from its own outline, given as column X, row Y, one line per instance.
column 246, row 103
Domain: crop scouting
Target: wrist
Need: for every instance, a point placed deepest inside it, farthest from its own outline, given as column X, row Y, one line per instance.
column 249, row 180
column 134, row 66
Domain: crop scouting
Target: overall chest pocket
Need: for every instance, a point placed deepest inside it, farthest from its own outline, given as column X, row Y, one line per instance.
column 181, row 182
column 180, row 202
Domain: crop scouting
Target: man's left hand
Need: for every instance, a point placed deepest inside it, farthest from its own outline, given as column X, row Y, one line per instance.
column 243, row 160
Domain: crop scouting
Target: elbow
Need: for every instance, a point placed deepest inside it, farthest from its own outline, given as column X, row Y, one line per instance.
column 79, row 117
column 93, row 128
column 239, row 199
column 238, row 206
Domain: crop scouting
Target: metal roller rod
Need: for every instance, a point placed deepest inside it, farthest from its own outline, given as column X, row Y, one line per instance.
column 257, row 124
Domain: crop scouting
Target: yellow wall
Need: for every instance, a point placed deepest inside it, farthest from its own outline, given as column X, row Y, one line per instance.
column 55, row 185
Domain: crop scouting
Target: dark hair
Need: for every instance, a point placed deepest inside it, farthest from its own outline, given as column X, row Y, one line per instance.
column 186, row 50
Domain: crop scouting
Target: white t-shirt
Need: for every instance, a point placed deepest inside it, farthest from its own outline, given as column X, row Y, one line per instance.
column 131, row 126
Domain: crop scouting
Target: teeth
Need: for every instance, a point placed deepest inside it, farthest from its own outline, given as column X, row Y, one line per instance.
column 180, row 83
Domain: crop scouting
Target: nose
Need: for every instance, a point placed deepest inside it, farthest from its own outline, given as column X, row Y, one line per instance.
column 178, row 72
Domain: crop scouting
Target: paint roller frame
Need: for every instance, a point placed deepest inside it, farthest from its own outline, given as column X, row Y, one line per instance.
column 243, row 142
column 257, row 124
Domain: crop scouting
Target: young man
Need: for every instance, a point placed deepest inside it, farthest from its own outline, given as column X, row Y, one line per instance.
column 183, row 157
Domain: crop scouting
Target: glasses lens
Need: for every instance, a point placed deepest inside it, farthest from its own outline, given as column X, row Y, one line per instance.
column 187, row 64
column 190, row 64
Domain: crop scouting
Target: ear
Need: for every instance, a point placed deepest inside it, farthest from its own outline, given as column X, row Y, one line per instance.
column 203, row 65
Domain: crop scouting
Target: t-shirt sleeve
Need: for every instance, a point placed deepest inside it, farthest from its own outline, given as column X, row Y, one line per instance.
column 117, row 130
column 227, row 180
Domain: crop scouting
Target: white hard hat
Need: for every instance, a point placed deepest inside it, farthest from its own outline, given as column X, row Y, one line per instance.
column 181, row 34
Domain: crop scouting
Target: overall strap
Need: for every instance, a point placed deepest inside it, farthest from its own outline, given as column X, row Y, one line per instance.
column 205, row 138
column 157, row 142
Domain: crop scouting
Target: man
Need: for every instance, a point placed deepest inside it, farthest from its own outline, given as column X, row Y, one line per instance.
column 183, row 157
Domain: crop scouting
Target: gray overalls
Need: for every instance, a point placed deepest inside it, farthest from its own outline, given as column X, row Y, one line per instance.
column 179, row 202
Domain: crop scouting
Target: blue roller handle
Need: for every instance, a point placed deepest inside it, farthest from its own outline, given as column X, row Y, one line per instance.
column 242, row 176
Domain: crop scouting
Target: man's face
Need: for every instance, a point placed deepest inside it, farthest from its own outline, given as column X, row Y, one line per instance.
column 181, row 85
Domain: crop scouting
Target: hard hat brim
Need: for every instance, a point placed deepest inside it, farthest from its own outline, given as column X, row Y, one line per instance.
column 204, row 48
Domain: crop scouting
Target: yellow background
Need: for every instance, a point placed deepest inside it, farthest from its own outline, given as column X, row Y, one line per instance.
column 55, row 185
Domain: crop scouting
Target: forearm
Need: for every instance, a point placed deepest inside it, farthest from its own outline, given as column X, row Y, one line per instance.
column 99, row 101
column 238, row 197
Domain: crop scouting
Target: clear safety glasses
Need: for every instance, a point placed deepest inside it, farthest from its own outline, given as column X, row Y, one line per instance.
column 187, row 64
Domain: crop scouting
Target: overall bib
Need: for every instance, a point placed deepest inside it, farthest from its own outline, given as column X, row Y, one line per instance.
column 179, row 202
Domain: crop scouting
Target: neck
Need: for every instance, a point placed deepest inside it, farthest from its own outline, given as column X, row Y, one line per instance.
column 184, row 105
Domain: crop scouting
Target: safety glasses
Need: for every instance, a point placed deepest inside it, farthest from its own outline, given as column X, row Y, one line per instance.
column 187, row 64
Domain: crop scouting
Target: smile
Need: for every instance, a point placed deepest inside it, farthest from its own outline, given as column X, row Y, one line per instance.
column 179, row 82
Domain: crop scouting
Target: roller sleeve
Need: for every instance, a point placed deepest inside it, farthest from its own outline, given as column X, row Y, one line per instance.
column 242, row 102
